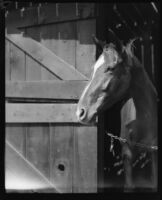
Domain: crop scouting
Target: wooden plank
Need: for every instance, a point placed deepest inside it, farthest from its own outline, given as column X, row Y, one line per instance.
column 16, row 135
column 67, row 11
column 7, row 61
column 40, row 113
column 33, row 69
column 67, row 42
column 46, row 75
column 36, row 34
column 86, row 10
column 37, row 147
column 60, row 39
column 85, row 49
column 85, row 160
column 13, row 21
column 47, row 58
column 29, row 16
column 64, row 12
column 61, row 145
column 33, row 32
column 47, row 13
column 21, row 18
column 20, row 174
column 18, row 72
column 47, row 89
column 17, row 63
column 49, row 37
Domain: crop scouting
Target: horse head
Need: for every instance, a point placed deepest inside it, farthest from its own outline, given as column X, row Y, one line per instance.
column 109, row 81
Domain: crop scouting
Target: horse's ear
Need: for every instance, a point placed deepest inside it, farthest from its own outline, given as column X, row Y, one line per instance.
column 114, row 39
column 98, row 42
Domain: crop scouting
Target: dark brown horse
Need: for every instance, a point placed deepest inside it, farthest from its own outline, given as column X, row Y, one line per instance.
column 118, row 75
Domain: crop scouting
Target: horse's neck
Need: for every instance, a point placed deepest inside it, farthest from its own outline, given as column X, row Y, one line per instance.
column 144, row 96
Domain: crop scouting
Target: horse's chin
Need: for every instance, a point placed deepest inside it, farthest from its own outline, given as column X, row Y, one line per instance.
column 89, row 121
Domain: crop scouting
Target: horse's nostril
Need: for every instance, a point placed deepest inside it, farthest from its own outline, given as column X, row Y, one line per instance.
column 82, row 113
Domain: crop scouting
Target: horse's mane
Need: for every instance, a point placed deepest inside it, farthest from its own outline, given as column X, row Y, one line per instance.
column 129, row 49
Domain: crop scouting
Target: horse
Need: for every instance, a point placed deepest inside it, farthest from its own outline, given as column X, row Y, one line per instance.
column 117, row 76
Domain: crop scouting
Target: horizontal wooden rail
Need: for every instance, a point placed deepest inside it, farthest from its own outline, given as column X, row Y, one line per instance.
column 45, row 57
column 70, row 90
column 40, row 113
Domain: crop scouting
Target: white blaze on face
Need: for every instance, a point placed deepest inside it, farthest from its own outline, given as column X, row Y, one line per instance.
column 111, row 58
column 98, row 64
column 101, row 60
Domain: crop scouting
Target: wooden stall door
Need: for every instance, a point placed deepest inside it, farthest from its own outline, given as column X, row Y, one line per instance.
column 42, row 134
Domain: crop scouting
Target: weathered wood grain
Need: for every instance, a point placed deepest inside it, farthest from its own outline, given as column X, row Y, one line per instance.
column 47, row 13
column 20, row 174
column 86, row 10
column 29, row 16
column 67, row 42
column 85, row 160
column 33, row 32
column 61, row 158
column 16, row 135
column 13, row 21
column 47, row 75
column 49, row 37
column 33, row 69
column 31, row 113
column 17, row 63
column 66, row 11
column 85, row 48
column 37, row 147
column 44, row 89
column 54, row 64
